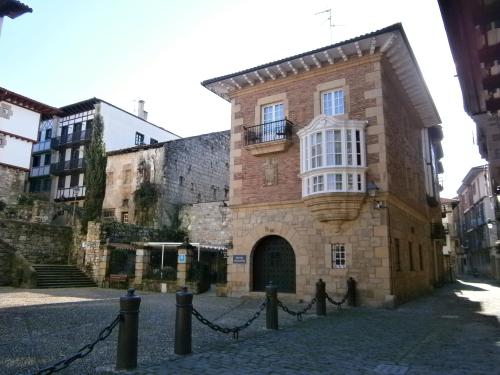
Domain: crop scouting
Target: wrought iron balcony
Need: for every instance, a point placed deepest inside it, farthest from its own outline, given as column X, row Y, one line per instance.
column 75, row 192
column 67, row 166
column 71, row 139
column 438, row 231
column 41, row 146
column 269, row 132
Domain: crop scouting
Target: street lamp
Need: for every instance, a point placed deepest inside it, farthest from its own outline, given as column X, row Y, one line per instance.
column 76, row 190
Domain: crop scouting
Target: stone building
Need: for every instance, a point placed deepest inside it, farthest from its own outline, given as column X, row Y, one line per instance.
column 478, row 232
column 179, row 172
column 473, row 29
column 333, row 172
column 451, row 248
column 19, row 119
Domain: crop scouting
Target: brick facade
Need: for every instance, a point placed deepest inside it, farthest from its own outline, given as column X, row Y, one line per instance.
column 266, row 188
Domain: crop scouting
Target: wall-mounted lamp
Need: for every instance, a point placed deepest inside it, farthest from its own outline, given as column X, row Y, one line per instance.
column 372, row 190
column 490, row 223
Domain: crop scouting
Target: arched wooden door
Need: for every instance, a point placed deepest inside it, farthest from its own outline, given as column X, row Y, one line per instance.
column 274, row 260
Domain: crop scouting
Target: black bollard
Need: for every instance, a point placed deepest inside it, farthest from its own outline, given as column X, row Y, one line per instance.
column 272, row 306
column 183, row 321
column 126, row 355
column 351, row 292
column 320, row 298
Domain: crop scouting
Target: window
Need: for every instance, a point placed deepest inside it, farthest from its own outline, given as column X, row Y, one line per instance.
column 139, row 138
column 48, row 134
column 74, row 180
column 420, row 257
column 332, row 103
column 125, row 203
column 333, row 159
column 125, row 217
column 410, row 256
column 338, row 255
column 272, row 116
column 61, row 181
column 127, row 176
column 46, row 159
column 36, row 161
column 108, row 213
column 152, row 141
column 397, row 254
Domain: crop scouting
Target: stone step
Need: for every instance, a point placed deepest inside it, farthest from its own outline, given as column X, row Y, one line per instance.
column 61, row 276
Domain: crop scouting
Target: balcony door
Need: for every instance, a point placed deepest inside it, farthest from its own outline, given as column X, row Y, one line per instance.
column 64, row 134
column 272, row 116
column 77, row 132
column 75, row 154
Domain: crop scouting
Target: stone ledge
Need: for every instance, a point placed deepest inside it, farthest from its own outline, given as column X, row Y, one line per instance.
column 269, row 147
column 335, row 206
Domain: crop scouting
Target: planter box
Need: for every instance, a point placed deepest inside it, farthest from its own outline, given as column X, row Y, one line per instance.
column 155, row 285
column 221, row 290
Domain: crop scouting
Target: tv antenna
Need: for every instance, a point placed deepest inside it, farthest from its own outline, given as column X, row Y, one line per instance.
column 330, row 21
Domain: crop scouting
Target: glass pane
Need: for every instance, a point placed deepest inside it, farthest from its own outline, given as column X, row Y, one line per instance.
column 327, row 104
column 338, row 181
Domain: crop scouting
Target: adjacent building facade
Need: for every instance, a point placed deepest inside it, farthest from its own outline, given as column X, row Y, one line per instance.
column 19, row 119
column 57, row 167
column 478, row 225
column 175, row 173
column 451, row 249
column 334, row 167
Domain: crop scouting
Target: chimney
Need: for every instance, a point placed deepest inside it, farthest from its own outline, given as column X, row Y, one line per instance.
column 141, row 112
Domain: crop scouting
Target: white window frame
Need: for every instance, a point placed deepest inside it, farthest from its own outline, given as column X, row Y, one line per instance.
column 270, row 114
column 333, row 102
column 334, row 149
column 339, row 255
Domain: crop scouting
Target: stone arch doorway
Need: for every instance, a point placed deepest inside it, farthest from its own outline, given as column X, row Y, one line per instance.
column 274, row 260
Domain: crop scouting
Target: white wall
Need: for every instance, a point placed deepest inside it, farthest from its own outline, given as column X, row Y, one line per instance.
column 120, row 128
column 22, row 122
column 16, row 152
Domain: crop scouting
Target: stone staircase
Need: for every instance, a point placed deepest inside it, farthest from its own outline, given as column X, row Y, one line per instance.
column 61, row 276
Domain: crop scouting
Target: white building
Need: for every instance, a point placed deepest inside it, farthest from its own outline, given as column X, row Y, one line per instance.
column 57, row 168
column 19, row 119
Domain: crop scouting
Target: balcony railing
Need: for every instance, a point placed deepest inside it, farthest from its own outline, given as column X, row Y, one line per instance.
column 269, row 132
column 438, row 231
column 72, row 138
column 75, row 192
column 41, row 146
column 67, row 166
column 43, row 170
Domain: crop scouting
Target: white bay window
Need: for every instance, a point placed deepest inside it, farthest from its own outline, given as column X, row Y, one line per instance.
column 333, row 156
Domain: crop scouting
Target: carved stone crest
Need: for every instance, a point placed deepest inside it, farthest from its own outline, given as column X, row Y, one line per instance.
column 270, row 172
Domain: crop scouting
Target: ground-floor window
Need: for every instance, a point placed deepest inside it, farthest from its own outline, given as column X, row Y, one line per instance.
column 338, row 255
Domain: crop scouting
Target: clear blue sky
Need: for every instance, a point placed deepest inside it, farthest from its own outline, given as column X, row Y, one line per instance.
column 160, row 51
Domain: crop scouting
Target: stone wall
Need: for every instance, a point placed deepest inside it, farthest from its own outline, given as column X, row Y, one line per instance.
column 6, row 260
column 38, row 243
column 126, row 233
column 11, row 183
column 208, row 223
column 40, row 212
column 196, row 170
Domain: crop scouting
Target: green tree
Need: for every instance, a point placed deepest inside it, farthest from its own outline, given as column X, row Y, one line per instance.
column 95, row 173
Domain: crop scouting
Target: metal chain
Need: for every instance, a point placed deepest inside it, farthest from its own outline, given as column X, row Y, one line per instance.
column 84, row 351
column 298, row 314
column 235, row 330
column 339, row 303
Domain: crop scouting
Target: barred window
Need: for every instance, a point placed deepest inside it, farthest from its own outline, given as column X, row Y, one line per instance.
column 338, row 255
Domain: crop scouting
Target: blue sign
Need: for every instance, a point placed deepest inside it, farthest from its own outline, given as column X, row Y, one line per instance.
column 241, row 259
column 181, row 258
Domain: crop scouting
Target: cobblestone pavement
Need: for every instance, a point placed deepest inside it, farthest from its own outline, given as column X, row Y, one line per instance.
column 454, row 331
